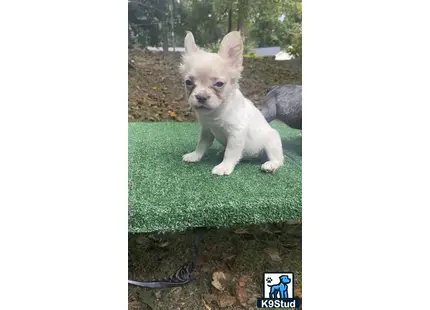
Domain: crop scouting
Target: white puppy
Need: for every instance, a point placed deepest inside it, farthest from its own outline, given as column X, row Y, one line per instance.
column 211, row 82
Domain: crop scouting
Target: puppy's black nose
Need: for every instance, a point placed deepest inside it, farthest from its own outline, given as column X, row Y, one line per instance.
column 201, row 99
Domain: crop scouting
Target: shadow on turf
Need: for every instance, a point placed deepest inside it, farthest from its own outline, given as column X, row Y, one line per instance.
column 214, row 155
column 293, row 145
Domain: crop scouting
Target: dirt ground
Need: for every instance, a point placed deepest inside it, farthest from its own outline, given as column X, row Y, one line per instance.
column 241, row 254
column 155, row 86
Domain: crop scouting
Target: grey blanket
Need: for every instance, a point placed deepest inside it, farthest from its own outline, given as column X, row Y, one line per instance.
column 285, row 104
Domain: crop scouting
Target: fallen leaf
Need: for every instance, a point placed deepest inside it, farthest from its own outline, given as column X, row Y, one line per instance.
column 298, row 291
column 133, row 305
column 176, row 290
column 230, row 257
column 241, row 231
column 206, row 305
column 171, row 113
column 147, row 298
column 274, row 254
column 209, row 298
column 226, row 300
column 199, row 260
column 241, row 290
column 243, row 280
column 163, row 244
column 219, row 280
column 266, row 229
column 142, row 240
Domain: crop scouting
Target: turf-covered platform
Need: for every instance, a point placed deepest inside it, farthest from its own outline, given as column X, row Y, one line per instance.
column 167, row 194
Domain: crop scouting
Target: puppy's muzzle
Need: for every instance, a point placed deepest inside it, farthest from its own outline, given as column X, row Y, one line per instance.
column 201, row 99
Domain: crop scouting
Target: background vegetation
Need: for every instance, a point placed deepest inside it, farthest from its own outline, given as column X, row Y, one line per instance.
column 263, row 23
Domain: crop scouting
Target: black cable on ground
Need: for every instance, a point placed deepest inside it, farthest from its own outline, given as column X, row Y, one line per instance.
column 183, row 275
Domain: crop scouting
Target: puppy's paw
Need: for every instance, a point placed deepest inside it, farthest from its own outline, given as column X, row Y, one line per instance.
column 271, row 166
column 222, row 169
column 191, row 157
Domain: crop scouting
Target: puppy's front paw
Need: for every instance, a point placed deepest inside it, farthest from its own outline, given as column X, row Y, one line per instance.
column 270, row 166
column 191, row 157
column 222, row 169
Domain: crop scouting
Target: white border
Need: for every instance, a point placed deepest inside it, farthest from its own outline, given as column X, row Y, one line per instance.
column 63, row 166
column 365, row 155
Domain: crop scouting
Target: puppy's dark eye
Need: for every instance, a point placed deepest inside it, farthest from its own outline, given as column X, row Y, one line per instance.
column 219, row 84
column 188, row 82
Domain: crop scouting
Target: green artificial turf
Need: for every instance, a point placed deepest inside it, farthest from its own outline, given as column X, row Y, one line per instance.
column 167, row 194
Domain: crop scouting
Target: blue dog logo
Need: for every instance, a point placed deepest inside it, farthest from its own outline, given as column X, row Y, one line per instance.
column 280, row 289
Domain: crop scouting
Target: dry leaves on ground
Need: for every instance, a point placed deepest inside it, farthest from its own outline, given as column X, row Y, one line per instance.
column 207, row 307
column 241, row 231
column 155, row 87
column 273, row 254
column 298, row 291
column 226, row 300
column 209, row 298
column 219, row 280
column 241, row 292
column 133, row 305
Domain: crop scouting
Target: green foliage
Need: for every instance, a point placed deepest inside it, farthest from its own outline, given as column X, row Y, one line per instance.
column 261, row 22
column 295, row 48
column 251, row 54
column 199, row 18
column 277, row 23
column 248, row 47
column 212, row 47
column 144, row 19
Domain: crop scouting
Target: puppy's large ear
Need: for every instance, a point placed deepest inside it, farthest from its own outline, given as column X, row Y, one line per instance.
column 231, row 49
column 189, row 43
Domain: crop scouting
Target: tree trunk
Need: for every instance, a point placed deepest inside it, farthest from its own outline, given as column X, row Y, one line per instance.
column 229, row 20
column 240, row 14
column 173, row 25
column 130, row 41
column 239, row 23
column 164, row 30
